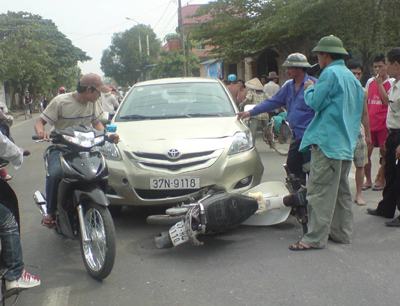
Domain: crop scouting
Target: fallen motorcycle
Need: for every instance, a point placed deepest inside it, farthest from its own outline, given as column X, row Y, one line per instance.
column 266, row 204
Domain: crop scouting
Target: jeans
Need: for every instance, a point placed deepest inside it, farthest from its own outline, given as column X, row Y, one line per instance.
column 53, row 178
column 11, row 251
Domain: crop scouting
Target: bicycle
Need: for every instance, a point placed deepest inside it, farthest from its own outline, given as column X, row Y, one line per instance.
column 278, row 139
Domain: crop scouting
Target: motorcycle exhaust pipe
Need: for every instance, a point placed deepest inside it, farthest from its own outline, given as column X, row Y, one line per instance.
column 85, row 237
column 40, row 202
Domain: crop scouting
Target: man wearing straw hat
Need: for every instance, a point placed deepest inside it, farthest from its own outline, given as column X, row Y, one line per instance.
column 255, row 95
column 299, row 115
column 337, row 100
column 272, row 86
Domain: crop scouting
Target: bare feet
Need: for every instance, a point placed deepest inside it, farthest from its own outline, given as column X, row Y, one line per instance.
column 359, row 200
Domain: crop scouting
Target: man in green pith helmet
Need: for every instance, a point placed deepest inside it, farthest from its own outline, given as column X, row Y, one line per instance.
column 337, row 100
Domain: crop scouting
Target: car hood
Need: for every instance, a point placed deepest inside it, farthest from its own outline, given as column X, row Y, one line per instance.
column 188, row 134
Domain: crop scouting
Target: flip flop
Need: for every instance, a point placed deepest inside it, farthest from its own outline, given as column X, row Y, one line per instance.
column 366, row 187
column 301, row 246
column 7, row 178
column 377, row 188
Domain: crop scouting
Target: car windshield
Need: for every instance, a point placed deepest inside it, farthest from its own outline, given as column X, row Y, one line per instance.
column 176, row 100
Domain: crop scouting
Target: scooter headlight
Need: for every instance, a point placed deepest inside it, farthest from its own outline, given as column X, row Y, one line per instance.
column 85, row 140
column 242, row 141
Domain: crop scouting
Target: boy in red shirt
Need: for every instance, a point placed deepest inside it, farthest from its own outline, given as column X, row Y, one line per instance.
column 377, row 89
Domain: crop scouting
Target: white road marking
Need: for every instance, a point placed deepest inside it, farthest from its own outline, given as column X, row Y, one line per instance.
column 57, row 296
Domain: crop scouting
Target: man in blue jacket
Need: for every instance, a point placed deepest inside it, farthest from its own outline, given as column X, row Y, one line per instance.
column 299, row 115
column 337, row 100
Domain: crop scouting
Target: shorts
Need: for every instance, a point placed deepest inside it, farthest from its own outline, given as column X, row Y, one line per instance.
column 378, row 138
column 360, row 158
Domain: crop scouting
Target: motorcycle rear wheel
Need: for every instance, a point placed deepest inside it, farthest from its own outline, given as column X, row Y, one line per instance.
column 98, row 253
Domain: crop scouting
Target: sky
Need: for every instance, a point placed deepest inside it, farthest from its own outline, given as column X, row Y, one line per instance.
column 90, row 24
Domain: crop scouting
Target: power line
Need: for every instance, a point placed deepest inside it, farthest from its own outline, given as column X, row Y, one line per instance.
column 170, row 21
column 162, row 15
column 167, row 20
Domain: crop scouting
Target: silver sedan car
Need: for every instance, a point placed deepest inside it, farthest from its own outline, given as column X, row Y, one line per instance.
column 179, row 136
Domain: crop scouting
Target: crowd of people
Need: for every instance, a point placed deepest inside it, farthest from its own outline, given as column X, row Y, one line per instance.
column 336, row 121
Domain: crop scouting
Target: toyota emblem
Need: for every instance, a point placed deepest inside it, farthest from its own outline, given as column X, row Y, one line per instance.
column 173, row 154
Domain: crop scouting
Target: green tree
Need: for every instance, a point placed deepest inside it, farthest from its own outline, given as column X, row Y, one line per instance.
column 35, row 56
column 239, row 28
column 170, row 65
column 127, row 60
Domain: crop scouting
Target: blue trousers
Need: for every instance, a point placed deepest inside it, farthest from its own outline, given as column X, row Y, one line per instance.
column 11, row 251
column 53, row 178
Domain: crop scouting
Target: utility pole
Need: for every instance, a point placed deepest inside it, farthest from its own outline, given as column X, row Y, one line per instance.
column 185, row 70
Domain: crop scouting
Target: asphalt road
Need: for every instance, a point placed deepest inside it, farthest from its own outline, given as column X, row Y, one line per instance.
column 248, row 266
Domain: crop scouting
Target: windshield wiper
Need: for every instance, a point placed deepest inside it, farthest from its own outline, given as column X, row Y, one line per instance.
column 134, row 117
column 140, row 117
column 203, row 115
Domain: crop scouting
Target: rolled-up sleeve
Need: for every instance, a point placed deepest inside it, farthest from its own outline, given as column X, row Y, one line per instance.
column 50, row 114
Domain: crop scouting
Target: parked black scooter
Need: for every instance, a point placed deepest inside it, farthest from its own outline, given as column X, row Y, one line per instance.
column 82, row 207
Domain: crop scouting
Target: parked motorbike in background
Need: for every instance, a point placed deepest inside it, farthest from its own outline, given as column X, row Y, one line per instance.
column 217, row 211
column 82, row 207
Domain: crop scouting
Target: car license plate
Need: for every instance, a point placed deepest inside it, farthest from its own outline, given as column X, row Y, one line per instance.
column 165, row 183
column 178, row 234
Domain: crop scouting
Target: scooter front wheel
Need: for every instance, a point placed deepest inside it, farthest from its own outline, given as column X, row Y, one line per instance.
column 98, row 251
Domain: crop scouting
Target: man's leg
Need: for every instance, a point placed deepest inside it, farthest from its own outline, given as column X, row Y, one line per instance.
column 295, row 161
column 322, row 190
column 11, row 252
column 380, row 176
column 342, row 221
column 52, row 180
column 367, row 168
column 360, row 158
column 387, row 206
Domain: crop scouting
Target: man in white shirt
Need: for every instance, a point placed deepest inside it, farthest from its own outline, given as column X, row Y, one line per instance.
column 109, row 102
column 391, row 196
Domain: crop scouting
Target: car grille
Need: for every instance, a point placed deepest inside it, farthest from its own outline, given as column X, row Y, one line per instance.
column 187, row 161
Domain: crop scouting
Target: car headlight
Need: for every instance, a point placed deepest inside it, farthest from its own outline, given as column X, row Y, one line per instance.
column 242, row 141
column 110, row 151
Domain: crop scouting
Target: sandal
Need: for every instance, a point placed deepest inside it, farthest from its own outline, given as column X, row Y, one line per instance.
column 377, row 188
column 7, row 178
column 48, row 221
column 366, row 187
column 301, row 246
